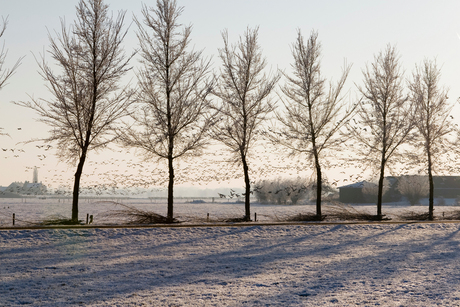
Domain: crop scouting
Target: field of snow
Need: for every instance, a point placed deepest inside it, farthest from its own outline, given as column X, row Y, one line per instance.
column 283, row 265
column 30, row 211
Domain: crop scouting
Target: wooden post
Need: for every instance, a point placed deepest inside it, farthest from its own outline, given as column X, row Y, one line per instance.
column 87, row 218
column 255, row 216
column 91, row 219
column 14, row 218
column 207, row 218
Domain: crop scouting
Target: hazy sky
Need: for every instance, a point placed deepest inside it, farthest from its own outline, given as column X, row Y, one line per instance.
column 352, row 30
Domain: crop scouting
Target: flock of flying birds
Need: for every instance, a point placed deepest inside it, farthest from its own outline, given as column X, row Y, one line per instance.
column 122, row 173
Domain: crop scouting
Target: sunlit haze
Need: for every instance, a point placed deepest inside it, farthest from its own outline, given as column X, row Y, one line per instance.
column 348, row 30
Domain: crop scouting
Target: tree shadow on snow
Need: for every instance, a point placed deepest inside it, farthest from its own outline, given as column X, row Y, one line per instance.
column 328, row 259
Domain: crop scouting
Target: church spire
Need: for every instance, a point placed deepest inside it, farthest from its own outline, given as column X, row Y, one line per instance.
column 35, row 179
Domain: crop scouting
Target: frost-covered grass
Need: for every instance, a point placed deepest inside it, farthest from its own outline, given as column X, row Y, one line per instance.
column 283, row 265
column 33, row 211
column 311, row 265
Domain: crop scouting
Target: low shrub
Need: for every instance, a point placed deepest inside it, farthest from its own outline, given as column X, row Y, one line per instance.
column 413, row 187
column 414, row 216
column 346, row 212
column 57, row 220
column 451, row 215
column 308, row 217
column 135, row 216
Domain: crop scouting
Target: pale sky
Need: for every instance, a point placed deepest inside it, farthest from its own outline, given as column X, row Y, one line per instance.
column 351, row 30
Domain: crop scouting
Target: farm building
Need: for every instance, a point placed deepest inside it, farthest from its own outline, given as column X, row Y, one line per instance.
column 444, row 186
column 352, row 193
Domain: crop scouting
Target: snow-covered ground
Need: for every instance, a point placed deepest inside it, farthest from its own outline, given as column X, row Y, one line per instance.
column 31, row 211
column 283, row 265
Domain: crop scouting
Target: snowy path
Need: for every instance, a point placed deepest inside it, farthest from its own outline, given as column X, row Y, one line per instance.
column 343, row 265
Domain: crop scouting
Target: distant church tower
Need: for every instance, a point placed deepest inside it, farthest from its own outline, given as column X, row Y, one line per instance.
column 35, row 175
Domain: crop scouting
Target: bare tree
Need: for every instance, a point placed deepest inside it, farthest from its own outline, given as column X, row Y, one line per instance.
column 413, row 187
column 385, row 115
column 87, row 100
column 174, row 114
column 433, row 118
column 313, row 115
column 5, row 74
column 244, row 91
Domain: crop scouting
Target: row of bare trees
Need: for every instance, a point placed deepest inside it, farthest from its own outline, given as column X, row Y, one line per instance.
column 389, row 118
column 172, row 115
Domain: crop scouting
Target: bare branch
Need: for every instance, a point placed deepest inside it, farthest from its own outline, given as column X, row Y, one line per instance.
column 5, row 74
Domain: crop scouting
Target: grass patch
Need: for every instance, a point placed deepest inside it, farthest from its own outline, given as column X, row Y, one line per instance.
column 414, row 216
column 308, row 217
column 57, row 220
column 238, row 220
column 348, row 213
column 451, row 215
column 135, row 216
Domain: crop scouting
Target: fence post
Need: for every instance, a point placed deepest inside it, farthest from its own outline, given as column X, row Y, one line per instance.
column 14, row 218
column 87, row 218
column 207, row 218
column 255, row 216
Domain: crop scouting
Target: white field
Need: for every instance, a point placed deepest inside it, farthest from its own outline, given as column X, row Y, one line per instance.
column 283, row 265
column 30, row 211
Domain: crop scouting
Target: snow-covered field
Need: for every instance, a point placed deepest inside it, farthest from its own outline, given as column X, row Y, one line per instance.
column 31, row 211
column 283, row 265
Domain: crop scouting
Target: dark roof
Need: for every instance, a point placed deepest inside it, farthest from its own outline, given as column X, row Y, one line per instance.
column 356, row 185
column 439, row 182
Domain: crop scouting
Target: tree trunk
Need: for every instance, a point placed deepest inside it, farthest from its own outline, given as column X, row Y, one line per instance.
column 380, row 192
column 319, row 187
column 247, row 205
column 76, row 186
column 431, row 195
column 170, row 190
